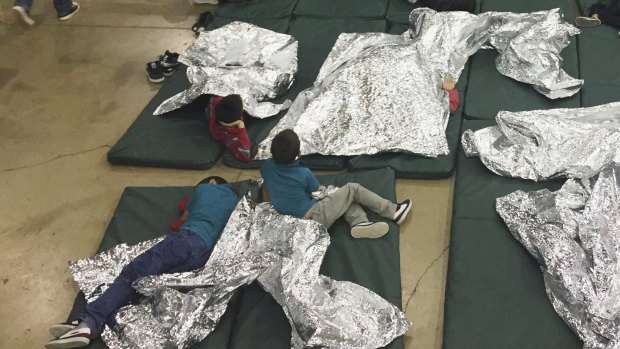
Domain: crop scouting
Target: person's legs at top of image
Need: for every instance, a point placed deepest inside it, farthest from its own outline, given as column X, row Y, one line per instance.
column 65, row 9
column 348, row 200
column 22, row 10
column 610, row 15
column 178, row 252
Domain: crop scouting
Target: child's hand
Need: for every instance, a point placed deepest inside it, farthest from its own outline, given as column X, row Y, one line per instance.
column 448, row 83
column 239, row 124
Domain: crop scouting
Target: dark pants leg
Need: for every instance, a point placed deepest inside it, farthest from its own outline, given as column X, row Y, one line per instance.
column 178, row 252
column 26, row 4
column 608, row 14
column 63, row 7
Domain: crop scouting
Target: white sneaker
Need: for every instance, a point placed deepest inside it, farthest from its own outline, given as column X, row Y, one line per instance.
column 370, row 230
column 208, row 2
column 60, row 329
column 76, row 338
column 74, row 10
column 586, row 22
column 23, row 15
column 402, row 210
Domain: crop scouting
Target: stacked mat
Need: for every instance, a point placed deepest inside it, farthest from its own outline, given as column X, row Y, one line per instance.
column 495, row 294
column 253, row 319
column 181, row 140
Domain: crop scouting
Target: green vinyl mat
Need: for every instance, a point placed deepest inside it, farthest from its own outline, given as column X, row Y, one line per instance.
column 253, row 319
column 599, row 51
column 495, row 295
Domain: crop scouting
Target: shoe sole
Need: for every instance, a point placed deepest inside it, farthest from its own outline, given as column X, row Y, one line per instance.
column 404, row 214
column 208, row 2
column 59, row 330
column 586, row 22
column 155, row 80
column 67, row 343
column 22, row 15
column 70, row 15
column 169, row 74
column 372, row 231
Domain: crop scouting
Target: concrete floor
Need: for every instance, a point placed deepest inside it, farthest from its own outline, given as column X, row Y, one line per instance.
column 68, row 91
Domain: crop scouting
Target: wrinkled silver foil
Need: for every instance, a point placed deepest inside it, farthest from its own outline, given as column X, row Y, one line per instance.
column 239, row 58
column 378, row 92
column 283, row 253
column 546, row 144
column 574, row 233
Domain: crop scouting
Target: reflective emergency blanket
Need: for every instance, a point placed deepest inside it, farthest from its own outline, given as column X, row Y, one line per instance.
column 545, row 144
column 574, row 233
column 284, row 253
column 378, row 92
column 239, row 58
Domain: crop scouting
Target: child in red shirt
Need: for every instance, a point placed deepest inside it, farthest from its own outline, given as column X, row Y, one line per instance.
column 225, row 116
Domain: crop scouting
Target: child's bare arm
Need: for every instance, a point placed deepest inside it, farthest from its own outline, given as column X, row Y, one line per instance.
column 265, row 193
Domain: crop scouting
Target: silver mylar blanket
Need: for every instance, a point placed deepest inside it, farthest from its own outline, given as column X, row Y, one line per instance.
column 283, row 252
column 545, row 144
column 574, row 233
column 379, row 92
column 239, row 58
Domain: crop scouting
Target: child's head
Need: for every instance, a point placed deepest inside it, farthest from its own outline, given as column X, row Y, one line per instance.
column 229, row 109
column 212, row 180
column 285, row 147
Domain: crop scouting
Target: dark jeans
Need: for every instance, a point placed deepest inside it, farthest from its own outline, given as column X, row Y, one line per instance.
column 62, row 7
column 608, row 14
column 177, row 252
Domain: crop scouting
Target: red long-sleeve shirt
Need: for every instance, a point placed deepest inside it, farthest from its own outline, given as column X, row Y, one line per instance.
column 234, row 138
column 453, row 94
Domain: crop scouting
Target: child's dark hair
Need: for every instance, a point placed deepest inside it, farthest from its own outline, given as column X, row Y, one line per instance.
column 285, row 147
column 217, row 179
column 229, row 109
column 451, row 5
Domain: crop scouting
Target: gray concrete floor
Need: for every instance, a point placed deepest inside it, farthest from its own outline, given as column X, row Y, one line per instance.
column 68, row 91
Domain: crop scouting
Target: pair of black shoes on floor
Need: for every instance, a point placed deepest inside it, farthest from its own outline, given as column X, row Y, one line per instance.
column 163, row 67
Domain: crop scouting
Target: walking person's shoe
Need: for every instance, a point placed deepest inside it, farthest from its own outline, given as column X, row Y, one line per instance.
column 23, row 15
column 60, row 329
column 370, row 230
column 169, row 59
column 402, row 210
column 586, row 22
column 67, row 16
column 76, row 338
column 155, row 72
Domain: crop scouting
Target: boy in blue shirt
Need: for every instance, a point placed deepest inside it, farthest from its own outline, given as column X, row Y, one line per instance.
column 205, row 217
column 289, row 186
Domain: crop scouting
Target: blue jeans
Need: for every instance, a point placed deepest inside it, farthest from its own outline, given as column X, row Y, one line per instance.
column 62, row 7
column 177, row 252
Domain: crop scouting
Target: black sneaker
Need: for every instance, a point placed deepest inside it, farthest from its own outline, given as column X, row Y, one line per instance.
column 402, row 210
column 76, row 338
column 60, row 329
column 155, row 72
column 67, row 16
column 169, row 59
column 167, row 71
column 203, row 21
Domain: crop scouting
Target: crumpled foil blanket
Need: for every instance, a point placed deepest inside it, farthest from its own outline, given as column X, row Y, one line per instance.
column 546, row 144
column 239, row 58
column 379, row 92
column 574, row 233
column 283, row 253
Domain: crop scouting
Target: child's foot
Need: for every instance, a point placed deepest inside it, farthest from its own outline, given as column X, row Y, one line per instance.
column 23, row 15
column 402, row 210
column 586, row 22
column 60, row 329
column 155, row 72
column 76, row 338
column 67, row 16
column 371, row 230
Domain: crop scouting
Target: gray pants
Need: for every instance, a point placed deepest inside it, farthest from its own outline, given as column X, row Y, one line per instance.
column 346, row 201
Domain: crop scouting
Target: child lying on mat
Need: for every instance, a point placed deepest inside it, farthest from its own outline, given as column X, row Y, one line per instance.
column 289, row 186
column 205, row 216
column 226, row 125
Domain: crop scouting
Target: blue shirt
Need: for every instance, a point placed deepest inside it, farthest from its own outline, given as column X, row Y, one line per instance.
column 209, row 210
column 290, row 187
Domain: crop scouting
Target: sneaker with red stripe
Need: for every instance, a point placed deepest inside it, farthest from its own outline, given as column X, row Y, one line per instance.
column 76, row 338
